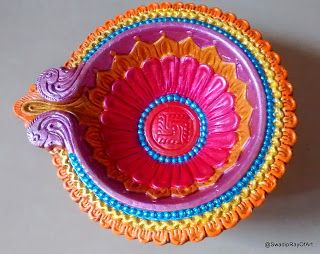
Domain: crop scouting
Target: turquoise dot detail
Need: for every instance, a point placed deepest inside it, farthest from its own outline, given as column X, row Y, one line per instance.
column 177, row 159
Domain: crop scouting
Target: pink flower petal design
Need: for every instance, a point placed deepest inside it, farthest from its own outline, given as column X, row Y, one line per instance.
column 144, row 172
column 223, row 123
column 222, row 140
column 162, row 178
column 200, row 169
column 119, row 106
column 215, row 87
column 187, row 73
column 221, row 106
column 129, row 163
column 170, row 69
column 152, row 71
column 118, row 120
column 121, row 88
column 181, row 176
column 141, row 86
column 139, row 83
column 215, row 157
column 202, row 78
column 126, row 151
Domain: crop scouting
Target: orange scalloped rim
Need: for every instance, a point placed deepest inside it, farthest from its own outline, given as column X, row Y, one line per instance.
column 196, row 233
column 257, row 196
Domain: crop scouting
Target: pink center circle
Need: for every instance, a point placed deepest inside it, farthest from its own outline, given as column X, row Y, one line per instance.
column 172, row 129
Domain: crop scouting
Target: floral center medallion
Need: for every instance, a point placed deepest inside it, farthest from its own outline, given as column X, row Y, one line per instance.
column 172, row 129
column 168, row 125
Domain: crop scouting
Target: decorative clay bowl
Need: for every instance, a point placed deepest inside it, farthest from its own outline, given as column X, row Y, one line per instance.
column 170, row 123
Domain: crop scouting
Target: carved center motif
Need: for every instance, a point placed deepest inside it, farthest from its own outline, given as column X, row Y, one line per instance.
column 172, row 129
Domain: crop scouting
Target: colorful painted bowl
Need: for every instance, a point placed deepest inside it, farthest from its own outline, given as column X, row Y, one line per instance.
column 170, row 123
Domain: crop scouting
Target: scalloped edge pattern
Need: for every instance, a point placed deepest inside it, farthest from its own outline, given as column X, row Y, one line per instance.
column 256, row 197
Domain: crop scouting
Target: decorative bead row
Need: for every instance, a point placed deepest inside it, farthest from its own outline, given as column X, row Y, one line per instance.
column 202, row 136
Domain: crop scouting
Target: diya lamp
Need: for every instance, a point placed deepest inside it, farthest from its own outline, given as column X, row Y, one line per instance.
column 170, row 122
